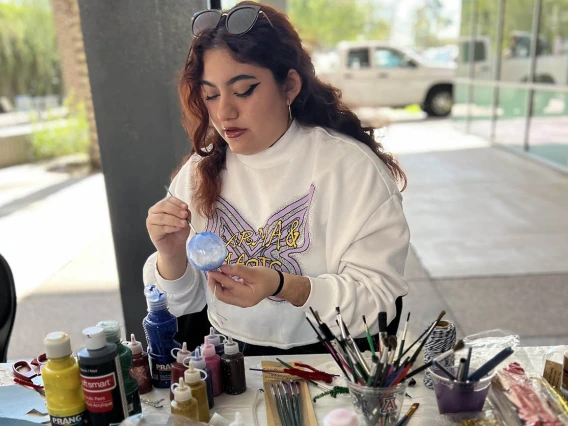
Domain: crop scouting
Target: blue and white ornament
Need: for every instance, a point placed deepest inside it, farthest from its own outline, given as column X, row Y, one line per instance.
column 206, row 251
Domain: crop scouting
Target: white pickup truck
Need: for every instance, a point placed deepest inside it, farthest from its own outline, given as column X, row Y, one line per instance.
column 374, row 74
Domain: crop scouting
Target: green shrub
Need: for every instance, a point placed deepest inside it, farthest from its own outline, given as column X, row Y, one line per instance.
column 55, row 138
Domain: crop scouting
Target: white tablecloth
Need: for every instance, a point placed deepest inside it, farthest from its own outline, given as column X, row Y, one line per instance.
column 228, row 405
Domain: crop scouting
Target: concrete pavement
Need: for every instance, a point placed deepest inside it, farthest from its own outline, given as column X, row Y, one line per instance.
column 489, row 231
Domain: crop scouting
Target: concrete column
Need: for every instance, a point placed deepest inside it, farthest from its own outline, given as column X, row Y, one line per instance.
column 135, row 50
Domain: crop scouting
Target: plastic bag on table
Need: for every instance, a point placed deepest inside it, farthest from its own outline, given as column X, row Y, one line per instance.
column 488, row 343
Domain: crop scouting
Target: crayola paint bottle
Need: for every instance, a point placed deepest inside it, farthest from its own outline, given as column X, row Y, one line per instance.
column 101, row 378
column 62, row 383
column 112, row 333
column 160, row 326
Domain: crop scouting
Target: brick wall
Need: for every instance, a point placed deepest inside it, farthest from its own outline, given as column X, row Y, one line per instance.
column 74, row 64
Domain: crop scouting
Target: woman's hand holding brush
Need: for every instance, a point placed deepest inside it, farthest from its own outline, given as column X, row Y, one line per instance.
column 168, row 227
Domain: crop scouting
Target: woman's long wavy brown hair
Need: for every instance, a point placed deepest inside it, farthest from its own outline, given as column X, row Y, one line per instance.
column 279, row 49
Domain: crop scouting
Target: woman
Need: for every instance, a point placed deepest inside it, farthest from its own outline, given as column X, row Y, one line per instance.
column 286, row 175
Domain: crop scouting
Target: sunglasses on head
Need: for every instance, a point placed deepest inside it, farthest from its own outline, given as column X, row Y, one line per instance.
column 239, row 20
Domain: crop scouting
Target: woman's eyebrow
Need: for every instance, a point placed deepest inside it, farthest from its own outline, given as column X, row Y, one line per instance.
column 231, row 80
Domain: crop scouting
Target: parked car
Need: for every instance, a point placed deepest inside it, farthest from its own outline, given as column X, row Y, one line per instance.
column 375, row 74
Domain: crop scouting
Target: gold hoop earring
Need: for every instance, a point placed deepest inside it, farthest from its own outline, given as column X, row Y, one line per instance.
column 289, row 109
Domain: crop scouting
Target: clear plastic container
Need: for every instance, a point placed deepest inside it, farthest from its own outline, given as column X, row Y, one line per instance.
column 459, row 397
column 378, row 406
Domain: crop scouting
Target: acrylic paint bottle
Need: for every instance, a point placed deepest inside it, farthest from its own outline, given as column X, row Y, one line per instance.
column 213, row 362
column 160, row 327
column 215, row 340
column 101, row 378
column 112, row 333
column 199, row 364
column 233, row 369
column 198, row 387
column 178, row 368
column 184, row 404
column 140, row 367
column 62, row 383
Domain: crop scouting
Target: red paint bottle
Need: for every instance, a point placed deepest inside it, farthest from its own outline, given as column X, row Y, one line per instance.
column 178, row 369
column 140, row 366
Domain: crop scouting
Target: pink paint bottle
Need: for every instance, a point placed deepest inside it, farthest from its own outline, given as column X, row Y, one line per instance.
column 213, row 362
column 178, row 369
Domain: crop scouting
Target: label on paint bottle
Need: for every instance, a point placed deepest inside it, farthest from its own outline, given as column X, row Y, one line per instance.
column 104, row 391
column 76, row 420
column 133, row 403
column 161, row 373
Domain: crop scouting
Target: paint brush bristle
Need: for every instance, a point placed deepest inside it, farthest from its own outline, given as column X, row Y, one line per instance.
column 459, row 346
column 365, row 320
column 392, row 342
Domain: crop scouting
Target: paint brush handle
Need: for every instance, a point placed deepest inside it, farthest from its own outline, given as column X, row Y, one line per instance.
column 187, row 220
column 420, row 369
column 491, row 364
column 467, row 362
column 461, row 376
column 444, row 370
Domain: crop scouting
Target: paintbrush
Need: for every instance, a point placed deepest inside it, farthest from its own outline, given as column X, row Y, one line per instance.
column 467, row 362
column 340, row 324
column 421, row 345
column 187, row 220
column 403, row 336
column 459, row 346
column 427, row 332
column 404, row 419
column 409, row 362
column 444, row 370
column 383, row 334
column 278, row 403
column 491, row 364
column 369, row 338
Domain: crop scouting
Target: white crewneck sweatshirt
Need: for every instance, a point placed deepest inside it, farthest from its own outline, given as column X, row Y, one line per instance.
column 318, row 204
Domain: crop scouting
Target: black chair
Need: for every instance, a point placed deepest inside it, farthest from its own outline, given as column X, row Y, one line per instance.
column 7, row 306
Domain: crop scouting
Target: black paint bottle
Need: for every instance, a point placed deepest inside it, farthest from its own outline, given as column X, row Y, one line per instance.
column 101, row 378
column 233, row 369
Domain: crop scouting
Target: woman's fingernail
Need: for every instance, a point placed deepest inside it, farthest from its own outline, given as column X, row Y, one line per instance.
column 183, row 212
column 182, row 222
column 184, row 206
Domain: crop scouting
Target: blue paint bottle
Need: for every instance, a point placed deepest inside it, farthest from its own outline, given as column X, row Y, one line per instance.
column 160, row 326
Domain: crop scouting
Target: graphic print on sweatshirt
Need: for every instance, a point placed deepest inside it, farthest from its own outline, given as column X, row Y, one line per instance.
column 285, row 234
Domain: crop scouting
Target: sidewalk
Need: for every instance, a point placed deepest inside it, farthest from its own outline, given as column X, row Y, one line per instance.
column 489, row 231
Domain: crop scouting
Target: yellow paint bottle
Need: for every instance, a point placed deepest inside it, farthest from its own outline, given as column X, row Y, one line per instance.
column 198, row 387
column 184, row 404
column 62, row 383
